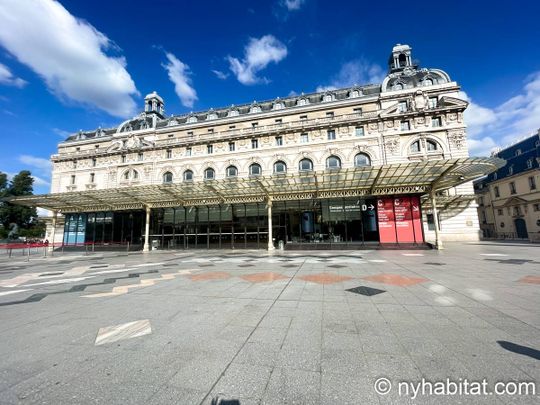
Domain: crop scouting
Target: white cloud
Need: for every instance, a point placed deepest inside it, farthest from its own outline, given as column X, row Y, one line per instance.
column 68, row 53
column 220, row 74
column 61, row 132
column 179, row 74
column 518, row 117
column 292, row 5
column 7, row 78
column 37, row 162
column 356, row 71
column 40, row 182
column 258, row 54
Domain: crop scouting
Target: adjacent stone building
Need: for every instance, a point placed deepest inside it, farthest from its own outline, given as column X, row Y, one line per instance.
column 509, row 198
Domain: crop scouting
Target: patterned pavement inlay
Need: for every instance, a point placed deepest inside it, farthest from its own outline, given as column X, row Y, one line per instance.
column 325, row 278
column 211, row 275
column 263, row 277
column 123, row 331
column 530, row 279
column 396, row 279
column 367, row 291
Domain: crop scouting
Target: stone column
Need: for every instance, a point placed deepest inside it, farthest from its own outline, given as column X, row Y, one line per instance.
column 438, row 241
column 270, row 237
column 146, row 247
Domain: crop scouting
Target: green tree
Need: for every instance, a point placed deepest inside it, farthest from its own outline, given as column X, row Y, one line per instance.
column 21, row 184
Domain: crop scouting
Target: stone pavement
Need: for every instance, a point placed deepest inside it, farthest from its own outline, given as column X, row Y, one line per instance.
column 187, row 327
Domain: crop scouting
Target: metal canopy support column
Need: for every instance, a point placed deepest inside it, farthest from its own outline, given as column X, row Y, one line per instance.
column 146, row 247
column 270, row 238
column 438, row 242
column 53, row 232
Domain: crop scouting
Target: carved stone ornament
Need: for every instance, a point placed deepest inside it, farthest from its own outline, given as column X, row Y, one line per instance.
column 373, row 126
column 392, row 145
column 457, row 139
column 452, row 117
column 389, row 124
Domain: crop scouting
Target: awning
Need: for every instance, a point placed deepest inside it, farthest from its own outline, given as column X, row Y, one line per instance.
column 403, row 178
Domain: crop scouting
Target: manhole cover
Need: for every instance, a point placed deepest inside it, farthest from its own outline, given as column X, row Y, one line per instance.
column 367, row 291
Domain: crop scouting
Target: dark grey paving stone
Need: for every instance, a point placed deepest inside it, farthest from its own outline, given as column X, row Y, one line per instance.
column 366, row 291
column 243, row 380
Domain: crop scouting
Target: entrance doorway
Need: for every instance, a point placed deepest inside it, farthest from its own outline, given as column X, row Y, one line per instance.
column 521, row 228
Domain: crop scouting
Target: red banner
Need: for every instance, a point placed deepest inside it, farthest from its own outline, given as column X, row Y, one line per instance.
column 385, row 215
column 399, row 219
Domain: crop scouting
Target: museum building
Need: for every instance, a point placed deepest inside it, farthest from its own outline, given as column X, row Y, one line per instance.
column 373, row 165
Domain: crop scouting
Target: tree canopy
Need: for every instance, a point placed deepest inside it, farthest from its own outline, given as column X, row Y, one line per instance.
column 20, row 184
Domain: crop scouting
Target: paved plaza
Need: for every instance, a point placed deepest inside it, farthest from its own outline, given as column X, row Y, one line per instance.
column 253, row 327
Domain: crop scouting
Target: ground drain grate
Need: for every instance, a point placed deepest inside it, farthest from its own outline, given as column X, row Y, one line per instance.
column 206, row 265
column 367, row 291
column 51, row 274
column 336, row 266
column 289, row 266
column 246, row 265
column 436, row 264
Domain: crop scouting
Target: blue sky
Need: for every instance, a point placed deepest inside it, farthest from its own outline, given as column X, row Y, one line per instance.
column 82, row 64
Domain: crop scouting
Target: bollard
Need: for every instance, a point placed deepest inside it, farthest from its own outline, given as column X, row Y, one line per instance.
column 28, row 257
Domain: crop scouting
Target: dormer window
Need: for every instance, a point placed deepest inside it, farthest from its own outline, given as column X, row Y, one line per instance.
column 302, row 101
column 211, row 116
column 192, row 119
column 278, row 106
column 255, row 109
column 518, row 152
column 327, row 97
column 428, row 82
column 529, row 164
column 354, row 94
column 233, row 113
column 511, row 170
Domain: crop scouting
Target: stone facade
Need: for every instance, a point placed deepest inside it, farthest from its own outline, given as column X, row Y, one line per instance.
column 415, row 114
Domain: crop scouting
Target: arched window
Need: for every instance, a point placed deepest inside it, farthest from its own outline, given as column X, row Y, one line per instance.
column 305, row 165
column 431, row 146
column 361, row 160
column 255, row 169
column 398, row 86
column 333, row 162
column 209, row 174
column 188, row 175
column 167, row 177
column 428, row 82
column 232, row 171
column 280, row 167
column 402, row 60
column 135, row 174
column 126, row 175
column 415, row 147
